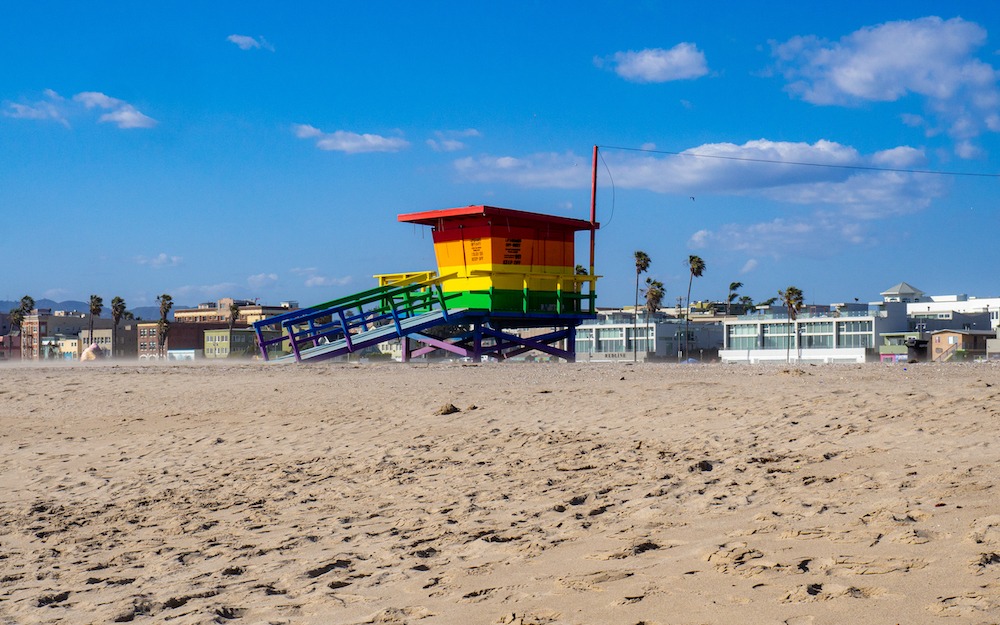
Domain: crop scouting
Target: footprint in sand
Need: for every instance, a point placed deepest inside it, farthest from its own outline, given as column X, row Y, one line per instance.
column 986, row 531
column 399, row 616
column 593, row 581
column 970, row 604
column 741, row 559
column 817, row 591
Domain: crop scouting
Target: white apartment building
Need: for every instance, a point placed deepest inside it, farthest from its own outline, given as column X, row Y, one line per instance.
column 613, row 336
column 838, row 333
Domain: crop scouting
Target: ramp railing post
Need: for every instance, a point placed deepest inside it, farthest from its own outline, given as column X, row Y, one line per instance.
column 292, row 341
column 347, row 334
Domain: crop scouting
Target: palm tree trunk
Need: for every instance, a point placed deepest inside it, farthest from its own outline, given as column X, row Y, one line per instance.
column 687, row 317
column 635, row 318
column 788, row 340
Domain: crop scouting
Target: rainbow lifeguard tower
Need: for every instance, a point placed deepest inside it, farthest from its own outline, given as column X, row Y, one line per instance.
column 505, row 284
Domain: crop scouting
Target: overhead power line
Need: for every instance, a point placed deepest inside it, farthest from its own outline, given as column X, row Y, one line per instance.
column 932, row 172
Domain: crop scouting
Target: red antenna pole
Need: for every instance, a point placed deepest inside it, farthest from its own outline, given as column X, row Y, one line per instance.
column 593, row 210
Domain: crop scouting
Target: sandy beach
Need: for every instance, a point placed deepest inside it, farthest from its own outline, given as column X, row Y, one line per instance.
column 569, row 493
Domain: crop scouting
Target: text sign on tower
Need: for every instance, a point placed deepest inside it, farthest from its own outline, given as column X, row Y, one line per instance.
column 476, row 253
column 512, row 252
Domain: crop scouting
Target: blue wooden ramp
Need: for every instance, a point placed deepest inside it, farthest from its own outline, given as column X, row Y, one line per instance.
column 351, row 323
column 369, row 338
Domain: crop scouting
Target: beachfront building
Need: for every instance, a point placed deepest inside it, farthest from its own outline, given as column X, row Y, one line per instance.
column 234, row 343
column 992, row 349
column 912, row 345
column 903, row 347
column 819, row 334
column 41, row 327
column 919, row 303
column 208, row 312
column 69, row 347
column 959, row 345
column 186, row 339
column 10, row 346
column 942, row 306
column 251, row 313
column 219, row 311
column 656, row 336
column 902, row 292
column 120, row 343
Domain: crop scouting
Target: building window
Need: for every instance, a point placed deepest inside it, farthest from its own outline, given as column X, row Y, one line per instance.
column 819, row 341
column 742, row 342
column 854, row 340
column 854, row 326
column 776, row 335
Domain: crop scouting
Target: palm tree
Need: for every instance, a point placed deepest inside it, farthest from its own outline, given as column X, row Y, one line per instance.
column 642, row 262
column 654, row 294
column 696, row 266
column 234, row 314
column 733, row 287
column 746, row 302
column 117, row 311
column 27, row 304
column 792, row 299
column 18, row 315
column 96, row 306
column 163, row 326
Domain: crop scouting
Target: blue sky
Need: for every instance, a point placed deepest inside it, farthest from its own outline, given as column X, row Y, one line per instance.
column 263, row 150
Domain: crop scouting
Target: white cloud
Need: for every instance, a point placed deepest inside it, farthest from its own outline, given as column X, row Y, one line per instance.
column 205, row 291
column 968, row 150
column 843, row 192
column 305, row 131
column 90, row 99
column 51, row 108
column 56, row 294
column 749, row 266
column 37, row 110
column 683, row 61
column 561, row 171
column 159, row 261
column 349, row 142
column 929, row 57
column 262, row 280
column 313, row 279
column 55, row 107
column 736, row 170
column 451, row 140
column 245, row 42
column 127, row 116
column 773, row 239
column 122, row 114
column 902, row 157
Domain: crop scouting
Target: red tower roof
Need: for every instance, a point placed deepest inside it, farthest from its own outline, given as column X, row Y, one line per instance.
column 511, row 216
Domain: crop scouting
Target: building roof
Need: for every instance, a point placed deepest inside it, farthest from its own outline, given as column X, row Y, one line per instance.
column 967, row 332
column 902, row 289
column 431, row 218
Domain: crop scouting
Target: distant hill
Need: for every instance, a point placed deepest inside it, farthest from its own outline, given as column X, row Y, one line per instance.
column 146, row 313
